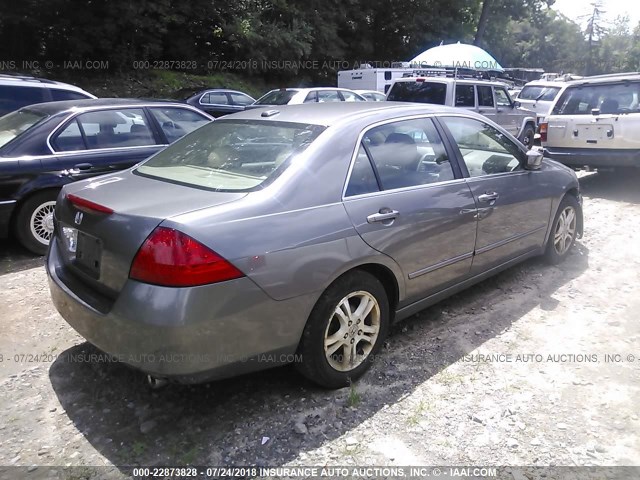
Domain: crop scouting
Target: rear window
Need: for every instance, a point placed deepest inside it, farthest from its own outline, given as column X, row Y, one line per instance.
column 539, row 93
column 232, row 156
column 276, row 97
column 13, row 97
column 421, row 92
column 15, row 124
column 617, row 98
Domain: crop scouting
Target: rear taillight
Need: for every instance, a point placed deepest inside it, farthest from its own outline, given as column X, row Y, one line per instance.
column 87, row 205
column 171, row 258
column 544, row 128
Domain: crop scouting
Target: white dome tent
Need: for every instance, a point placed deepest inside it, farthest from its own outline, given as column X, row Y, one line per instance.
column 459, row 56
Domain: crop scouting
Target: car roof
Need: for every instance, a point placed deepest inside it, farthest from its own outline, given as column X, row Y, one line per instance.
column 309, row 89
column 331, row 113
column 225, row 90
column 52, row 108
column 453, row 80
column 615, row 77
column 546, row 83
column 24, row 80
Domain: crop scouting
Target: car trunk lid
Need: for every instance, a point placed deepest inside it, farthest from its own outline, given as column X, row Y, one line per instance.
column 101, row 224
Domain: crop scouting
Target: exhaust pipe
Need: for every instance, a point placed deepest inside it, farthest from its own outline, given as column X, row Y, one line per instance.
column 155, row 383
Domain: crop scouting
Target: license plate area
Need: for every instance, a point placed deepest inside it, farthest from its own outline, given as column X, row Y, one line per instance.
column 595, row 132
column 88, row 254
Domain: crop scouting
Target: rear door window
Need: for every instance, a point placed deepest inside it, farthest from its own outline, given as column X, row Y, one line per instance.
column 408, row 153
column 127, row 127
column 420, row 92
column 70, row 139
column 608, row 98
column 485, row 96
column 465, row 96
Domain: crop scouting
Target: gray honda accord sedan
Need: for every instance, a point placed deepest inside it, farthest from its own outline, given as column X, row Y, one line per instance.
column 298, row 234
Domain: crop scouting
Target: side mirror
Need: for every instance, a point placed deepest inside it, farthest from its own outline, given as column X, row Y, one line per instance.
column 517, row 104
column 534, row 159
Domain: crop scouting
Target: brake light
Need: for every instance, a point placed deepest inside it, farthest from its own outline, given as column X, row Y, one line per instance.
column 171, row 258
column 544, row 128
column 420, row 79
column 87, row 205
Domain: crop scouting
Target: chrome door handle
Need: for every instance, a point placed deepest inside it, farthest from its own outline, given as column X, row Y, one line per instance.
column 383, row 216
column 488, row 197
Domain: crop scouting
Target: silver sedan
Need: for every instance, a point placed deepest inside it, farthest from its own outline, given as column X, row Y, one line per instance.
column 298, row 234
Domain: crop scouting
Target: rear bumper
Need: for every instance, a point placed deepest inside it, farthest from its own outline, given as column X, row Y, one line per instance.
column 187, row 335
column 592, row 157
column 6, row 211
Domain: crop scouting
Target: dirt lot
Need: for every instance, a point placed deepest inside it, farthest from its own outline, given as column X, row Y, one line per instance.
column 544, row 394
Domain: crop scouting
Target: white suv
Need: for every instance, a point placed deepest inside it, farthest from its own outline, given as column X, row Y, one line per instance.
column 595, row 123
column 489, row 98
column 19, row 91
column 539, row 96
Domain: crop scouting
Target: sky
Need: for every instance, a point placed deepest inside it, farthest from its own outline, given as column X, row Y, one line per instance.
column 573, row 9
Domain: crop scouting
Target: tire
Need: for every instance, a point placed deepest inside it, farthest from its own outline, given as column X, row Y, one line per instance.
column 34, row 221
column 563, row 232
column 527, row 136
column 339, row 368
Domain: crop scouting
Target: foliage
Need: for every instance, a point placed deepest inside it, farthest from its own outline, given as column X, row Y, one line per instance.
column 331, row 33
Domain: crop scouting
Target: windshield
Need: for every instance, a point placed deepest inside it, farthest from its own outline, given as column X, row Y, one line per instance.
column 539, row 93
column 421, row 92
column 276, row 97
column 15, row 124
column 608, row 98
column 232, row 156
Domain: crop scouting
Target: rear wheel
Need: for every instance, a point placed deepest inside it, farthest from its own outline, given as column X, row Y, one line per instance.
column 345, row 330
column 34, row 221
column 564, row 231
column 527, row 136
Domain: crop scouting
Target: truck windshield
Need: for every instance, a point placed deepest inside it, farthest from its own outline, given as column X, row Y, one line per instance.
column 533, row 92
column 420, row 92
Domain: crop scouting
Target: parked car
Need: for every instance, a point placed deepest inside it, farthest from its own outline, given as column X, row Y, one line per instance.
column 489, row 98
column 48, row 145
column 240, row 261
column 19, row 91
column 595, row 123
column 372, row 95
column 539, row 97
column 295, row 96
column 220, row 101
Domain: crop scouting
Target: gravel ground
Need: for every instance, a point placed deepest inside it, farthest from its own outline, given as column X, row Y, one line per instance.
column 513, row 371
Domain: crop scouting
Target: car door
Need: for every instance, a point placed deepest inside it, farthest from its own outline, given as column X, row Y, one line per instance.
column 406, row 198
column 508, row 116
column 102, row 141
column 216, row 103
column 486, row 104
column 513, row 206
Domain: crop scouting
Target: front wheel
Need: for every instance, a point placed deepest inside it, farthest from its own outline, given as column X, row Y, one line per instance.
column 564, row 231
column 528, row 136
column 34, row 221
column 345, row 330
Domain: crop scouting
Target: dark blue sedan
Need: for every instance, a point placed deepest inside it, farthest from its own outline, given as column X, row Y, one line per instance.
column 45, row 146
